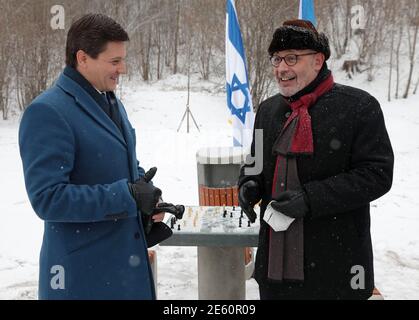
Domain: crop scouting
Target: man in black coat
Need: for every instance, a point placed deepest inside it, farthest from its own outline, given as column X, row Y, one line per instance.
column 326, row 156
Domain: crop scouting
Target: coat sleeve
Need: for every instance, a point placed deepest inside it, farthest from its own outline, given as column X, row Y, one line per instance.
column 47, row 148
column 370, row 173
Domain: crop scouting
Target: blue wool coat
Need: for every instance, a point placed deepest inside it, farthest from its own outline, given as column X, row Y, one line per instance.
column 76, row 165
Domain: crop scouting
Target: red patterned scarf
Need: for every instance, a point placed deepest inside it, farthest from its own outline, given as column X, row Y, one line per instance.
column 302, row 140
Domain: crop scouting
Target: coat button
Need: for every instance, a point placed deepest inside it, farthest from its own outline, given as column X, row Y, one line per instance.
column 287, row 115
column 137, row 235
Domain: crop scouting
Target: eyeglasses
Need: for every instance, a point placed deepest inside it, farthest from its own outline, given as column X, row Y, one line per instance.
column 290, row 59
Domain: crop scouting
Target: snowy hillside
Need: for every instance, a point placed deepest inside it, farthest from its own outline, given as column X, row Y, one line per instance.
column 155, row 112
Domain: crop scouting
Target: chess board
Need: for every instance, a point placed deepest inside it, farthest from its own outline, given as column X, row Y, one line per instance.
column 213, row 226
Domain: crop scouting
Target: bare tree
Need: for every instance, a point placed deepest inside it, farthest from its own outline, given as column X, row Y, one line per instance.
column 176, row 38
column 33, row 45
column 412, row 35
column 144, row 42
column 390, row 66
column 258, row 22
column 335, row 17
column 203, row 20
column 372, row 38
column 399, row 43
column 140, row 23
column 163, row 32
column 416, row 86
column 392, row 21
column 5, row 55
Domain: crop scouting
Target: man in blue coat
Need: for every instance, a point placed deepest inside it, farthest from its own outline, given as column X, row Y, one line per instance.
column 82, row 174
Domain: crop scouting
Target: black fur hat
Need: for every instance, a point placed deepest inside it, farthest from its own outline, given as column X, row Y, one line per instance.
column 299, row 34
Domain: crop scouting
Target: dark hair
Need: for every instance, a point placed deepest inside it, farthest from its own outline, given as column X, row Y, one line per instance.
column 91, row 33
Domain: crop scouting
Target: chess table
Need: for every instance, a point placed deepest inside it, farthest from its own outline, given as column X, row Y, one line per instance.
column 221, row 235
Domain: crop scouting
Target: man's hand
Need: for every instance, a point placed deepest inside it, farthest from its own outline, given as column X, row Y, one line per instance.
column 158, row 217
column 144, row 193
column 249, row 195
column 293, row 204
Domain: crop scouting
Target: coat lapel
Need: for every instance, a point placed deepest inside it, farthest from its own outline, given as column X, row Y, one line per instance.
column 129, row 138
column 88, row 104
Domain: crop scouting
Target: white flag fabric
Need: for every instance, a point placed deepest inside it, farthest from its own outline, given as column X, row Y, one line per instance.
column 239, row 100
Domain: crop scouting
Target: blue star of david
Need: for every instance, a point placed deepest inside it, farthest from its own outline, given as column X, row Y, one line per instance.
column 239, row 111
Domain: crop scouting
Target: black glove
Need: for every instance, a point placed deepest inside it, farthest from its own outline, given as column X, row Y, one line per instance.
column 249, row 195
column 293, row 204
column 158, row 233
column 145, row 194
column 176, row 210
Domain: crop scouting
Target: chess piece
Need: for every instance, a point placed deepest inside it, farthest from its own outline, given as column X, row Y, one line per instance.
column 248, row 223
column 178, row 227
column 225, row 213
column 241, row 213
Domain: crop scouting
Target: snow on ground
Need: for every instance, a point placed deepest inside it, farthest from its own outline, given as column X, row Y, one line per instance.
column 156, row 111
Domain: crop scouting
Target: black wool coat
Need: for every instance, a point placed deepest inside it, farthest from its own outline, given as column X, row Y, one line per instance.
column 352, row 165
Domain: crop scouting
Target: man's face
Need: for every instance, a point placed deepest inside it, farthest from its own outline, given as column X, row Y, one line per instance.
column 103, row 72
column 292, row 79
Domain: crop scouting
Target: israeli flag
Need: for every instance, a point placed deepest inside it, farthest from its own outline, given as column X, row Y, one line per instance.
column 239, row 100
column 306, row 11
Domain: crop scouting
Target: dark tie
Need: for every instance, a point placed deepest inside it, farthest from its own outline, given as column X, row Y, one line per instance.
column 105, row 104
column 114, row 113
